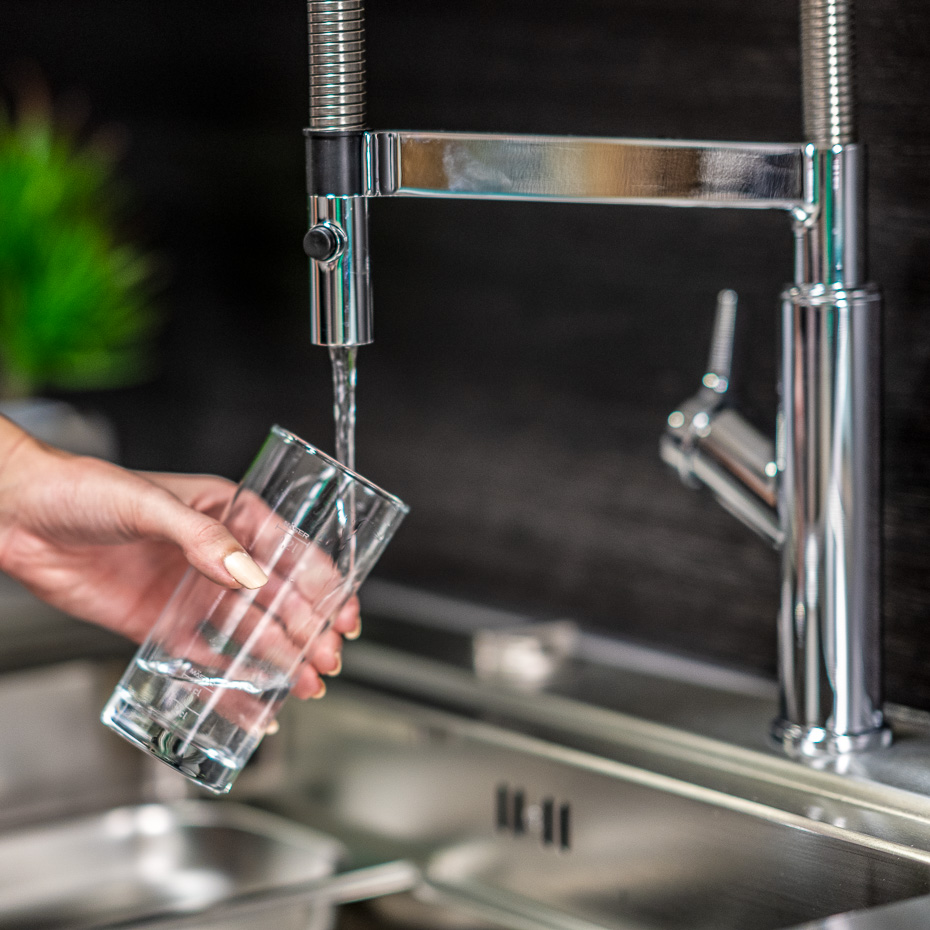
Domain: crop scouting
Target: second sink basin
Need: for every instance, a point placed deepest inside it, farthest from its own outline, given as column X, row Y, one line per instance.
column 131, row 863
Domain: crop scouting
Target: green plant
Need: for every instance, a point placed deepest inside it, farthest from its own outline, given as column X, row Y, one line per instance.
column 74, row 299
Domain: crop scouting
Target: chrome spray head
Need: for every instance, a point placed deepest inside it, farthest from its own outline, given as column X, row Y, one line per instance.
column 337, row 240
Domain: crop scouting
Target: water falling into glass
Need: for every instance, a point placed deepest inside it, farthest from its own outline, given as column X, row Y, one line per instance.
column 344, row 377
column 344, row 373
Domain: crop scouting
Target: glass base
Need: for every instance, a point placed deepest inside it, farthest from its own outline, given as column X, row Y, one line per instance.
column 138, row 724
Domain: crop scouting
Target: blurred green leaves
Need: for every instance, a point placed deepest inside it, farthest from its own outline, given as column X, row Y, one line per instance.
column 74, row 299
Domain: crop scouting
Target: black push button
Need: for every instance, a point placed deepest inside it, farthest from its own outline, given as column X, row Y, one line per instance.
column 322, row 243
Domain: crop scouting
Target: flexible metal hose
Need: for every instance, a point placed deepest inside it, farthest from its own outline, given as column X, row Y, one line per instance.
column 828, row 72
column 336, row 30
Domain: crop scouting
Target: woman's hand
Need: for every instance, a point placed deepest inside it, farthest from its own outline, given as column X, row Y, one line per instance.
column 109, row 545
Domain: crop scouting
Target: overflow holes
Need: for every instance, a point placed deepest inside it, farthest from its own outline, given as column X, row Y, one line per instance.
column 547, row 820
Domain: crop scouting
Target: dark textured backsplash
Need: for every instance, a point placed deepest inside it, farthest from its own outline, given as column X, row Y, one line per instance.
column 526, row 356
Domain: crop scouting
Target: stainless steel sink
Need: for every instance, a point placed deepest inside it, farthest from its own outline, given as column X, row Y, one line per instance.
column 94, row 836
column 533, row 810
column 637, row 795
column 650, row 859
column 130, row 863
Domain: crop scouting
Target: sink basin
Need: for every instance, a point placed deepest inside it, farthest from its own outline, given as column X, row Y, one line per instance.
column 131, row 863
column 645, row 859
column 531, row 810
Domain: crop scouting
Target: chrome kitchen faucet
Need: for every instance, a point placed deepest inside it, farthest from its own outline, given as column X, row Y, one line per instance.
column 814, row 491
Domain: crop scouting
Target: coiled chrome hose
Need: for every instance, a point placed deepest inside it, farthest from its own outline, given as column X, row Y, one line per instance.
column 336, row 30
column 828, row 72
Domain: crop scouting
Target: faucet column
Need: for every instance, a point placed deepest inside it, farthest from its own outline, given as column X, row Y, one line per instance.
column 829, row 623
column 337, row 175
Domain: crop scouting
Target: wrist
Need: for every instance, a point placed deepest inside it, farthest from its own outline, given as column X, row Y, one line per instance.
column 11, row 436
column 20, row 463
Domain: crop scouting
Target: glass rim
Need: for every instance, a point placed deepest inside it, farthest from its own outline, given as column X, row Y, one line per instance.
column 311, row 449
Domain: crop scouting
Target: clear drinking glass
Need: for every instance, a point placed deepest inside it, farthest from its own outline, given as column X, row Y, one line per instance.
column 218, row 664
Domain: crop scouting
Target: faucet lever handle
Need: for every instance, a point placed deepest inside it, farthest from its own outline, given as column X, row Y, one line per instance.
column 720, row 362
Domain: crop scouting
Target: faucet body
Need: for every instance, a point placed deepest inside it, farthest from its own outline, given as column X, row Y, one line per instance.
column 814, row 491
column 829, row 475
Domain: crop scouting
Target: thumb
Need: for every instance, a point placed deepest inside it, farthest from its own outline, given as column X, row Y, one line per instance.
column 207, row 545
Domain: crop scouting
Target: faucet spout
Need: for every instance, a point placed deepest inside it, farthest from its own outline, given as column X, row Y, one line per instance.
column 337, row 241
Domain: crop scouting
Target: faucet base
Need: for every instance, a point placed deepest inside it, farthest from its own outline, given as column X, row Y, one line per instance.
column 812, row 743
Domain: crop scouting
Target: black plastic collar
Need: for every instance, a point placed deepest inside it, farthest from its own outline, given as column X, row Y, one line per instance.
column 335, row 163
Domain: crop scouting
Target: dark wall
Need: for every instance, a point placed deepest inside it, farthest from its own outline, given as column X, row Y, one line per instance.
column 526, row 355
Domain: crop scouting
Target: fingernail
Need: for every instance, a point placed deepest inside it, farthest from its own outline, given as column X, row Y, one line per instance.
column 321, row 691
column 240, row 565
column 355, row 632
column 272, row 728
column 338, row 666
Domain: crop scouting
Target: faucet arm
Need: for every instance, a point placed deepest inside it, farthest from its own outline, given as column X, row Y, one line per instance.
column 581, row 169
